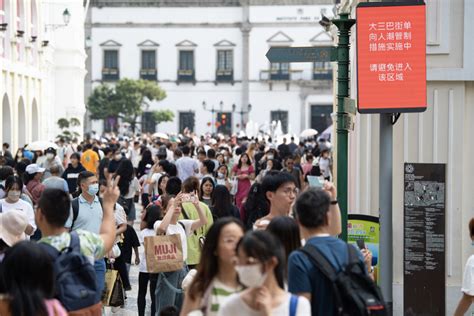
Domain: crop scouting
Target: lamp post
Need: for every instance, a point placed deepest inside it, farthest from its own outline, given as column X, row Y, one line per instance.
column 242, row 112
column 213, row 111
column 66, row 20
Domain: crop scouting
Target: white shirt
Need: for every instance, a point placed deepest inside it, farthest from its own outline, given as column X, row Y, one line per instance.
column 235, row 306
column 187, row 167
column 178, row 229
column 468, row 278
column 20, row 206
column 133, row 188
column 141, row 236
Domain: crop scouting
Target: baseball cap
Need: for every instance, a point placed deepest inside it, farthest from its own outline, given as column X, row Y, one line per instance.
column 34, row 168
column 12, row 227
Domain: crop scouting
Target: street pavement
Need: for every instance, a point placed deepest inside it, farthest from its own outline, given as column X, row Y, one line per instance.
column 131, row 307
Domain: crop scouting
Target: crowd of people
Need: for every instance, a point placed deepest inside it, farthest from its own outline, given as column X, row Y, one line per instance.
column 246, row 212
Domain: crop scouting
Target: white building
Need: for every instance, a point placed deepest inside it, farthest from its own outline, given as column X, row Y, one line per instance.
column 214, row 52
column 42, row 68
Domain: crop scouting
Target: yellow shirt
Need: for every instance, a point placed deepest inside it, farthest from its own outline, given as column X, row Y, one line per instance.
column 89, row 160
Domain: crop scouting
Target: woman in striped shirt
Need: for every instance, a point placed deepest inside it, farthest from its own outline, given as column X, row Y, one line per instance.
column 216, row 278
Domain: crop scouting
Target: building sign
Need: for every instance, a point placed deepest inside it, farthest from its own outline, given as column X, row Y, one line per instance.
column 391, row 57
column 424, row 239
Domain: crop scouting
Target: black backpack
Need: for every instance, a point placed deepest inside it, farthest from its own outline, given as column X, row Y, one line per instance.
column 76, row 286
column 354, row 291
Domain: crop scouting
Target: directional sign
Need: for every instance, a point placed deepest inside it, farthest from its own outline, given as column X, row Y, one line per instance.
column 301, row 54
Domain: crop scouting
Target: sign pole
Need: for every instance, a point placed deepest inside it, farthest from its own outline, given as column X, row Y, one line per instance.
column 385, row 208
column 344, row 25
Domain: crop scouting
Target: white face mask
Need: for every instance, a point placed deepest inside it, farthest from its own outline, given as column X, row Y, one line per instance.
column 14, row 195
column 220, row 175
column 251, row 275
column 49, row 156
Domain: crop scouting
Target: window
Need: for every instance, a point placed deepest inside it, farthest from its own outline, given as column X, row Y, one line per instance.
column 186, row 65
column 111, row 69
column 225, row 65
column 279, row 71
column 148, row 123
column 148, row 69
column 322, row 70
column 186, row 120
column 281, row 116
column 19, row 29
column 321, row 117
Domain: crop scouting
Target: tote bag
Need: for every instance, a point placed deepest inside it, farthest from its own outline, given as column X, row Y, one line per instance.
column 163, row 253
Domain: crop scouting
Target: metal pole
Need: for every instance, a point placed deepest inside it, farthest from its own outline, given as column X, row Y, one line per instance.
column 385, row 205
column 344, row 25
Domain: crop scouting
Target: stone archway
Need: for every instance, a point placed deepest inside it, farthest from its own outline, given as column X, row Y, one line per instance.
column 34, row 122
column 21, row 123
column 6, row 121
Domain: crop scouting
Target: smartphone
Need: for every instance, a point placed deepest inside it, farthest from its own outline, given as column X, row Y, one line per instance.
column 315, row 182
column 361, row 244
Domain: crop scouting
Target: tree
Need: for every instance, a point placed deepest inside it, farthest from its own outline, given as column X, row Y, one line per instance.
column 64, row 125
column 162, row 116
column 125, row 100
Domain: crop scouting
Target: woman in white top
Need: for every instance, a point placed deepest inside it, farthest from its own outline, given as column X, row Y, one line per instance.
column 261, row 268
column 167, row 287
column 216, row 278
column 12, row 201
column 468, row 280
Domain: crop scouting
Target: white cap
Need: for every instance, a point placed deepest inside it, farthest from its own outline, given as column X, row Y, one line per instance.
column 34, row 168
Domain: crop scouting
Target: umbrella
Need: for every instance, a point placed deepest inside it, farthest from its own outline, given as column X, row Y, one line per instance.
column 161, row 135
column 41, row 145
column 308, row 132
column 327, row 133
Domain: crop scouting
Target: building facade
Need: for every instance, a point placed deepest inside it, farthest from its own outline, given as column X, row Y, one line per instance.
column 42, row 68
column 441, row 134
column 209, row 57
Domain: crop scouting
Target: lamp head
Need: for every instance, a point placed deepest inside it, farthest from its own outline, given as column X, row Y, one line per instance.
column 66, row 16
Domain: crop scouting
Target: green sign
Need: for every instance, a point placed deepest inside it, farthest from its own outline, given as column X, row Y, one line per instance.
column 301, row 54
column 366, row 228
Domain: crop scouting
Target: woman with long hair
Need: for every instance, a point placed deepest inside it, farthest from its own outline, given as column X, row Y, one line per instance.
column 261, row 267
column 206, row 189
column 147, row 159
column 29, row 282
column 221, row 203
column 129, row 186
column 256, row 206
column 222, row 176
column 216, row 277
column 244, row 172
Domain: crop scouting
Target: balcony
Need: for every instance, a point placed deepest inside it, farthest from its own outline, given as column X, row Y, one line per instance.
column 110, row 74
column 148, row 74
column 322, row 74
column 186, row 75
column 224, row 75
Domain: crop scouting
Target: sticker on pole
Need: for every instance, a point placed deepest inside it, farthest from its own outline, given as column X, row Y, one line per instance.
column 391, row 57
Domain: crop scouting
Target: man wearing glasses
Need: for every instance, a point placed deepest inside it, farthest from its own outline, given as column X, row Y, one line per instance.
column 280, row 191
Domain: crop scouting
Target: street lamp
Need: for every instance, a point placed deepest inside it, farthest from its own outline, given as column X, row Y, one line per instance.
column 242, row 113
column 66, row 20
column 213, row 111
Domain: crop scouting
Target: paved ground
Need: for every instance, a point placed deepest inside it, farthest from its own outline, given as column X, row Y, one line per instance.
column 130, row 307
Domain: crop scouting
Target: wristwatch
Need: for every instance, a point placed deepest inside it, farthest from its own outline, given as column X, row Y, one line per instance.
column 334, row 202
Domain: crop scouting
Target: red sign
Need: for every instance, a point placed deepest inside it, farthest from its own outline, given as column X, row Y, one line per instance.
column 391, row 57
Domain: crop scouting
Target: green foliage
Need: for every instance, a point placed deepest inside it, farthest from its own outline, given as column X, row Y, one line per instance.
column 163, row 116
column 64, row 124
column 124, row 100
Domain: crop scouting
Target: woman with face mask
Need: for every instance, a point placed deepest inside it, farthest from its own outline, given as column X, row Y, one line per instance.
column 12, row 201
column 261, row 268
column 216, row 278
column 222, row 177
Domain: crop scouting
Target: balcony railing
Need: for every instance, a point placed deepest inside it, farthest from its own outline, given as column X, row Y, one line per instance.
column 186, row 75
column 295, row 75
column 148, row 74
column 224, row 75
column 110, row 74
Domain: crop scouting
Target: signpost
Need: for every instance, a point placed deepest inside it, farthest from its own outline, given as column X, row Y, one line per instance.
column 301, row 54
column 391, row 78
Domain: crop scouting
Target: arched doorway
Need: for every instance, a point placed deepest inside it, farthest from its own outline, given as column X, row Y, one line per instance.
column 6, row 121
column 34, row 122
column 21, row 123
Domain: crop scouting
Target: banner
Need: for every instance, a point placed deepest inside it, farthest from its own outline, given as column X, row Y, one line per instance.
column 366, row 228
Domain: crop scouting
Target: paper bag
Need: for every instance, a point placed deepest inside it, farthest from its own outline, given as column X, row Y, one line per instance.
column 163, row 253
column 113, row 293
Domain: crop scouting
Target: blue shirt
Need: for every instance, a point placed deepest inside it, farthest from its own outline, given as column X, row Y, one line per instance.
column 303, row 276
column 89, row 217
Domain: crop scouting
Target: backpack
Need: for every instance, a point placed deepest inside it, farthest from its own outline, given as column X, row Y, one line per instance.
column 355, row 292
column 76, row 285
